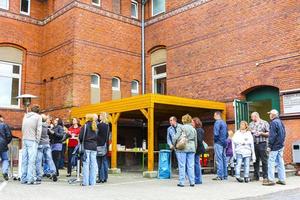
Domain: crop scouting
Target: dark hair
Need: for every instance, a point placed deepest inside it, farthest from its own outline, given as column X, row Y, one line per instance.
column 218, row 113
column 60, row 121
column 174, row 118
column 35, row 109
column 78, row 121
column 197, row 121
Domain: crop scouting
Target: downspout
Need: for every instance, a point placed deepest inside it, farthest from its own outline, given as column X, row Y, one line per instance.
column 143, row 47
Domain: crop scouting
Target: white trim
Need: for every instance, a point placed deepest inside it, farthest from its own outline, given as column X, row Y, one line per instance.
column 96, row 4
column 135, row 91
column 137, row 9
column 7, row 7
column 22, row 12
column 95, row 85
column 157, row 76
column 152, row 14
column 20, row 83
column 119, row 84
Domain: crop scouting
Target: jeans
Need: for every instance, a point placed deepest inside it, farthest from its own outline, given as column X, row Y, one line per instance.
column 5, row 162
column 239, row 160
column 89, row 169
column 44, row 155
column 261, row 155
column 230, row 162
column 198, row 170
column 221, row 162
column 186, row 165
column 56, row 155
column 102, row 168
column 29, row 155
column 70, row 151
column 276, row 158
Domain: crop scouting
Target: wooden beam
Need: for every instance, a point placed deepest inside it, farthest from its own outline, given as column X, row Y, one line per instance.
column 150, row 139
column 145, row 113
column 114, row 137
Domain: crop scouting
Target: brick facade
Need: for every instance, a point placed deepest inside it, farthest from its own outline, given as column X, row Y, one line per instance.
column 216, row 50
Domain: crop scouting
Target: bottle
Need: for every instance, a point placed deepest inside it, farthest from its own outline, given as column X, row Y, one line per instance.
column 144, row 145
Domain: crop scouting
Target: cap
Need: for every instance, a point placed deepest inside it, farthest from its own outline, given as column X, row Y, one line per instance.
column 274, row 112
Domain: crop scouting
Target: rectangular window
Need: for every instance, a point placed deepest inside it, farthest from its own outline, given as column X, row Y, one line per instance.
column 96, row 2
column 25, row 7
column 159, row 75
column 134, row 9
column 4, row 4
column 158, row 7
column 10, row 84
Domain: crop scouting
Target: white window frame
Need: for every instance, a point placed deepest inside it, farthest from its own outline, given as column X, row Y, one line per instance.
column 157, row 76
column 159, row 12
column 25, row 13
column 135, row 91
column 137, row 9
column 95, row 85
column 7, row 7
column 119, row 84
column 19, row 76
column 96, row 4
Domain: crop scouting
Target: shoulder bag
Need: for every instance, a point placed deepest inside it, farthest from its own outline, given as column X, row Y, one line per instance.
column 182, row 140
column 102, row 150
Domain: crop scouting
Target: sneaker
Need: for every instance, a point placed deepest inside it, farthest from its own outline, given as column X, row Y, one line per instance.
column 192, row 185
column 269, row 183
column 179, row 185
column 68, row 175
column 54, row 177
column 281, row 182
column 38, row 180
column 5, row 176
column 217, row 179
column 240, row 180
column 265, row 181
column 246, row 180
column 34, row 183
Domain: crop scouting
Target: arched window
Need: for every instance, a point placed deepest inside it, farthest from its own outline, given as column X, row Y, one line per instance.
column 95, row 88
column 134, row 87
column 10, row 76
column 159, row 71
column 116, row 88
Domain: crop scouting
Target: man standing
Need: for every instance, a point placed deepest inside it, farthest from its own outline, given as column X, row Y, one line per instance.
column 260, row 131
column 220, row 136
column 32, row 130
column 275, row 148
column 170, row 135
column 5, row 139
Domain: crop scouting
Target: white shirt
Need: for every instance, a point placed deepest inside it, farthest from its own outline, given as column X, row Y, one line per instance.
column 242, row 143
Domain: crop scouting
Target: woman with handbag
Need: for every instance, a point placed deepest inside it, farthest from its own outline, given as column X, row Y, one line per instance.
column 102, row 147
column 185, row 141
column 88, row 142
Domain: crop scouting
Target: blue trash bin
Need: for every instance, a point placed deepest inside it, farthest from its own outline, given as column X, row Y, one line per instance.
column 164, row 164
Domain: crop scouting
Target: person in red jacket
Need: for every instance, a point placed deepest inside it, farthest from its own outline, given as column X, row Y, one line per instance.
column 74, row 132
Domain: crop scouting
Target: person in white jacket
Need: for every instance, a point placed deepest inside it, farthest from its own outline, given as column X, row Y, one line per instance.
column 243, row 151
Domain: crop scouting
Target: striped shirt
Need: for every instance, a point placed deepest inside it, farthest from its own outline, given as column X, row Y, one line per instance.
column 259, row 126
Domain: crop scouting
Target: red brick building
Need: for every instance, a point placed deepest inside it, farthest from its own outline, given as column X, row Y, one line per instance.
column 76, row 52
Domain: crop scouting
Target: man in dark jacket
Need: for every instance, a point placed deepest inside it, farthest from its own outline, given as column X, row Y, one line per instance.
column 275, row 148
column 5, row 139
column 220, row 137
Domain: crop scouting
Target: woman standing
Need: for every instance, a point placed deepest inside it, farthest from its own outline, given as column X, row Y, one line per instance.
column 243, row 150
column 102, row 145
column 74, row 132
column 88, row 137
column 185, row 141
column 56, row 136
column 197, row 124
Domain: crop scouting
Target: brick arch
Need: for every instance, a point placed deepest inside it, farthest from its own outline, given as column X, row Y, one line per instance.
column 155, row 48
column 252, row 85
column 14, row 45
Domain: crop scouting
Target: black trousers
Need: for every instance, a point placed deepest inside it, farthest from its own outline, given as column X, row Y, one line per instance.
column 70, row 151
column 56, row 156
column 261, row 155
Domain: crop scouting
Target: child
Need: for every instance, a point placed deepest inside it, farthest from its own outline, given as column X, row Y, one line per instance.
column 229, row 153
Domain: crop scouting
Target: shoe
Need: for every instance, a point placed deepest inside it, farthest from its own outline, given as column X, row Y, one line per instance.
column 281, row 182
column 54, row 177
column 68, row 175
column 246, row 180
column 5, row 176
column 265, row 181
column 240, row 180
column 192, row 185
column 38, row 180
column 217, row 179
column 232, row 171
column 179, row 185
column 98, row 181
column 269, row 183
column 34, row 183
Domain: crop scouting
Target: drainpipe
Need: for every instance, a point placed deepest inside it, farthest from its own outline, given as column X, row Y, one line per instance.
column 143, row 47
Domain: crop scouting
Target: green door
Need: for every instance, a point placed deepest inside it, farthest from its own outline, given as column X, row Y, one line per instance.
column 241, row 112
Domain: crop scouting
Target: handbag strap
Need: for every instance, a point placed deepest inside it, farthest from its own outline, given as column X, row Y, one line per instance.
column 83, row 136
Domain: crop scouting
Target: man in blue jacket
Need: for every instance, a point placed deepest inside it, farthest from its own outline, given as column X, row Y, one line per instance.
column 5, row 139
column 275, row 148
column 220, row 136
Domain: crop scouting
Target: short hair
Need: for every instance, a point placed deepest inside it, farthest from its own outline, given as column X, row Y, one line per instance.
column 186, row 119
column 174, row 118
column 59, row 121
column 197, row 121
column 35, row 109
column 218, row 113
column 255, row 113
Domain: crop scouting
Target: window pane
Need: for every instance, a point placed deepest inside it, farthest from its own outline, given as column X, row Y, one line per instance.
column 16, row 69
column 5, row 91
column 14, row 91
column 158, row 6
column 115, row 83
column 134, row 85
column 94, row 80
column 133, row 9
column 25, row 6
column 160, row 86
column 160, row 70
column 96, row 2
column 4, row 4
column 5, row 69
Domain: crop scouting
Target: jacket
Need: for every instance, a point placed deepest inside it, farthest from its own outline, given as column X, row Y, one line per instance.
column 32, row 127
column 171, row 131
column 45, row 134
column 73, row 142
column 102, row 134
column 57, row 134
column 229, row 152
column 220, row 133
column 191, row 135
column 90, row 140
column 5, row 137
column 200, row 137
column 276, row 135
column 242, row 143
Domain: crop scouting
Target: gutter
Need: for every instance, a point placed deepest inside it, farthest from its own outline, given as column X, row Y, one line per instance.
column 143, row 47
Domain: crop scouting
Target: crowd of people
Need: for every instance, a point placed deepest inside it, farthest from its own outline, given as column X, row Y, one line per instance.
column 258, row 141
column 44, row 138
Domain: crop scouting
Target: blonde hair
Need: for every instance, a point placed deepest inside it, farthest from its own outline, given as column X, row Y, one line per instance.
column 104, row 117
column 186, row 119
column 91, row 118
column 246, row 125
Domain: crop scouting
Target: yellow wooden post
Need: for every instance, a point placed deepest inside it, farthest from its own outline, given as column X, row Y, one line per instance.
column 150, row 139
column 114, row 137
